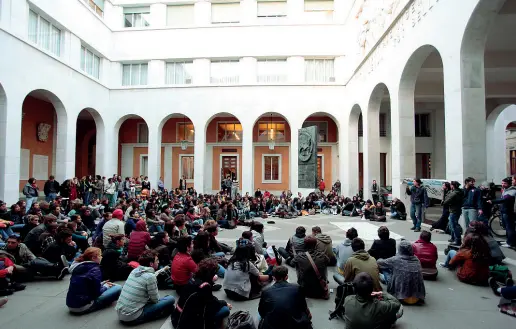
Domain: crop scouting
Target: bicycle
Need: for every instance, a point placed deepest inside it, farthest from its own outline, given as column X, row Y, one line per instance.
column 496, row 225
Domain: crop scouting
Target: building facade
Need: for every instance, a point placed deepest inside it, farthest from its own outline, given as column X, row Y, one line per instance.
column 207, row 89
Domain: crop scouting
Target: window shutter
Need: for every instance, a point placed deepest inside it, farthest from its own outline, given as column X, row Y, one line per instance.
column 180, row 15
column 225, row 12
column 318, row 5
column 272, row 8
column 136, row 10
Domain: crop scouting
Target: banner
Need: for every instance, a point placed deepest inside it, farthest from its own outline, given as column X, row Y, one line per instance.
column 433, row 186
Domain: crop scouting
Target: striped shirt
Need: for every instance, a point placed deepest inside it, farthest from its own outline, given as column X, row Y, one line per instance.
column 140, row 289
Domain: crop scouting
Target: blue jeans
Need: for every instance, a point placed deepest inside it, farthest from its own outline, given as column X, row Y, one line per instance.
column 155, row 228
column 17, row 227
column 50, row 197
column 453, row 223
column 107, row 298
column 162, row 308
column 86, row 198
column 221, row 271
column 416, row 213
column 449, row 257
column 30, row 201
column 6, row 233
column 508, row 222
column 385, row 277
column 470, row 215
column 221, row 314
column 219, row 254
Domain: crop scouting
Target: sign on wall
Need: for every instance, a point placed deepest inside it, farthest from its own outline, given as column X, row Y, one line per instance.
column 40, row 167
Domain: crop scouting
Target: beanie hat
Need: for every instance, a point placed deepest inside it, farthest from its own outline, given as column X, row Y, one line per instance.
column 118, row 214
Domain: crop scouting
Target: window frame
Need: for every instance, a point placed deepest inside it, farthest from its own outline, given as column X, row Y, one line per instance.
column 330, row 79
column 182, row 5
column 180, row 138
column 136, row 11
column 138, row 125
column 93, row 6
column 240, row 135
column 272, row 181
column 226, row 3
column 227, row 77
column 131, row 74
column 319, row 123
column 258, row 16
column 168, row 83
column 278, row 78
column 417, row 122
column 84, row 52
column 142, row 157
column 181, row 156
column 52, row 27
column 320, row 155
column 275, row 139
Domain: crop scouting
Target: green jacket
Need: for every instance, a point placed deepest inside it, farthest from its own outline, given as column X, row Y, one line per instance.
column 360, row 261
column 371, row 313
column 454, row 200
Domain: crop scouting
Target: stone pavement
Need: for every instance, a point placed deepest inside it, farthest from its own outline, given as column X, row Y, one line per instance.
column 449, row 303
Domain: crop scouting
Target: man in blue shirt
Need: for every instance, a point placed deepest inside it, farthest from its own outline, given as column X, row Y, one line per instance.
column 418, row 200
column 472, row 206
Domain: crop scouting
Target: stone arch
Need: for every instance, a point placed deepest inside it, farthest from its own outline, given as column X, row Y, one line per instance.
column 85, row 132
column 126, row 155
column 497, row 121
column 354, row 174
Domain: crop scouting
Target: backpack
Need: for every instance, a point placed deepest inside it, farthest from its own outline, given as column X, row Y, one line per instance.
column 500, row 273
column 343, row 291
column 241, row 320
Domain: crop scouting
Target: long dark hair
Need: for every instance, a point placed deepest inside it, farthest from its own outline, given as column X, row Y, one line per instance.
column 477, row 245
column 242, row 255
column 202, row 241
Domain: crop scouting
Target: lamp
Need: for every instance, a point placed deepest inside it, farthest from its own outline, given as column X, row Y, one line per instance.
column 272, row 142
column 184, row 142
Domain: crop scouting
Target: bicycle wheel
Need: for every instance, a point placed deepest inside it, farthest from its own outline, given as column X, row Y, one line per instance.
column 496, row 226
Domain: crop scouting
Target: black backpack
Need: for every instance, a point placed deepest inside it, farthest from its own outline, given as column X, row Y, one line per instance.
column 343, row 291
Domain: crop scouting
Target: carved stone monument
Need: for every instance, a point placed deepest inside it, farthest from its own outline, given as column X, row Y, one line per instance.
column 307, row 157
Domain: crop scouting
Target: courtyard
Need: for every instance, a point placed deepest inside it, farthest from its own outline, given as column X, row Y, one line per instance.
column 449, row 303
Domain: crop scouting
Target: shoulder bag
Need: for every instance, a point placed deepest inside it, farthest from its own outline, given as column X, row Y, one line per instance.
column 322, row 281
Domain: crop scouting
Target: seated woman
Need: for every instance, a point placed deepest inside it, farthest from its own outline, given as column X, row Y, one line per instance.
column 243, row 281
column 138, row 241
column 196, row 296
column 201, row 251
column 406, row 282
column 497, row 255
column 307, row 276
column 368, row 209
column 112, row 265
column 80, row 238
column 258, row 238
column 87, row 293
column 472, row 260
column 385, row 247
column 379, row 214
column 426, row 252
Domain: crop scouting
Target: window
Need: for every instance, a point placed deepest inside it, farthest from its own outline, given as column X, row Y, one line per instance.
column 271, row 130
column 272, row 70
column 143, row 133
column 186, row 167
column 271, row 168
column 97, row 6
column 383, row 125
column 179, row 73
column 144, row 165
column 224, row 72
column 180, row 15
column 320, row 10
column 136, row 16
column 185, row 131
column 320, row 167
column 319, row 70
column 225, row 13
column 134, row 74
column 90, row 63
column 268, row 9
column 44, row 34
column 423, row 125
column 229, row 132
column 323, row 129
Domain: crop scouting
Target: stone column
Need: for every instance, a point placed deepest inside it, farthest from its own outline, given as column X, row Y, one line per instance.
column 439, row 151
column 465, row 116
column 348, row 155
column 10, row 142
column 65, row 144
column 167, row 180
column 199, row 154
column 247, row 161
column 154, row 154
column 294, row 134
column 371, row 122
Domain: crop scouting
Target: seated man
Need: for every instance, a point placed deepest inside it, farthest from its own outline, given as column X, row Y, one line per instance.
column 295, row 245
column 426, row 252
column 307, row 274
column 32, row 240
column 283, row 305
column 370, row 308
column 183, row 267
column 139, row 301
column 378, row 214
column 398, row 210
column 62, row 247
column 27, row 266
column 343, row 250
column 385, row 247
column 360, row 262
column 324, row 244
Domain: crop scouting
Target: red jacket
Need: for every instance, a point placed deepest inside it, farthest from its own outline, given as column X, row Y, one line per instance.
column 473, row 271
column 322, row 186
column 137, row 241
column 7, row 263
column 183, row 268
column 426, row 252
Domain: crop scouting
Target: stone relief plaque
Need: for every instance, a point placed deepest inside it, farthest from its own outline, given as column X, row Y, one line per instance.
column 307, row 157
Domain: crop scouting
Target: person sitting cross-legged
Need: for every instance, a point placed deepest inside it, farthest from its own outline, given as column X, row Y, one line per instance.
column 197, row 308
column 87, row 292
column 426, row 252
column 343, row 250
column 139, row 301
column 385, row 247
column 369, row 308
column 295, row 245
column 405, row 280
column 307, row 276
column 183, row 266
column 283, row 305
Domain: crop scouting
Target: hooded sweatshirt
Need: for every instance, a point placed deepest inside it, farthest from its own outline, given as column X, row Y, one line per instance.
column 344, row 251
column 360, row 262
column 140, row 289
column 138, row 240
column 85, row 286
column 324, row 245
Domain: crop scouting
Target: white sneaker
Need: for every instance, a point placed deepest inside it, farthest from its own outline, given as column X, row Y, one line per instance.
column 505, row 245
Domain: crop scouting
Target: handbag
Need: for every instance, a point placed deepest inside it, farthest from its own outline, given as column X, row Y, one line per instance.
column 322, row 281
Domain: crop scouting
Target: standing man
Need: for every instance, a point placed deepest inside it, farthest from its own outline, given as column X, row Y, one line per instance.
column 454, row 200
column 374, row 191
column 51, row 189
column 99, row 187
column 418, row 200
column 472, row 206
column 506, row 203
